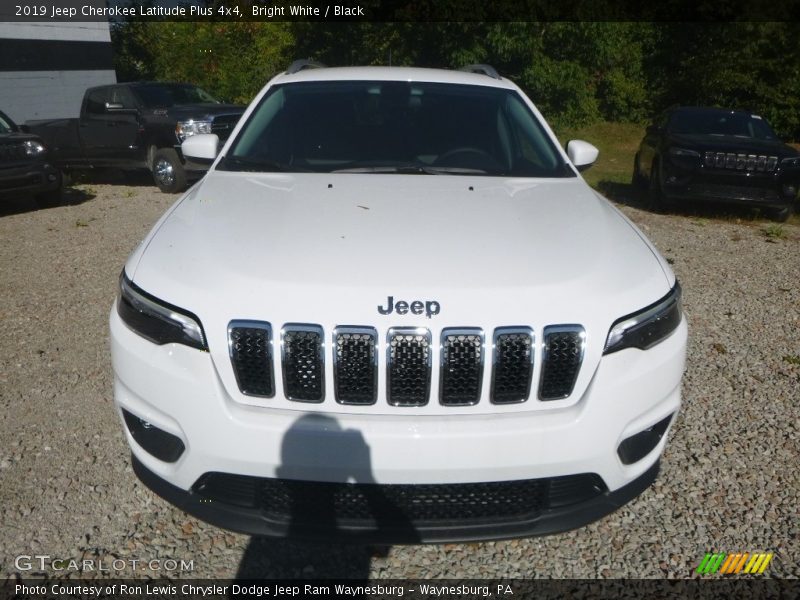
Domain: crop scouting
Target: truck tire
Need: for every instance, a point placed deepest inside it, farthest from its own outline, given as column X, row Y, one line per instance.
column 657, row 202
column 168, row 171
column 780, row 215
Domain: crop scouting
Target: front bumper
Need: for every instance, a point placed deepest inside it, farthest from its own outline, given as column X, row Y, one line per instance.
column 29, row 178
column 256, row 522
column 178, row 390
column 731, row 188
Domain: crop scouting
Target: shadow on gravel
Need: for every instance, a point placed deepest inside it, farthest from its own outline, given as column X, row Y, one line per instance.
column 629, row 195
column 16, row 205
column 140, row 178
column 310, row 509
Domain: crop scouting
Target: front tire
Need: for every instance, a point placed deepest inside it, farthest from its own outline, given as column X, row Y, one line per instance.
column 780, row 215
column 655, row 193
column 168, row 171
column 637, row 181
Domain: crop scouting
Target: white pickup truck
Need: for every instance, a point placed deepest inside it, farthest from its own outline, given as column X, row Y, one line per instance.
column 393, row 311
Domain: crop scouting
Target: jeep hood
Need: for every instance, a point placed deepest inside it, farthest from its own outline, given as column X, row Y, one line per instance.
column 329, row 248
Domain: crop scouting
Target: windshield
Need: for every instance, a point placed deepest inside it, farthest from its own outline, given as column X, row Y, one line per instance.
column 166, row 95
column 719, row 122
column 6, row 124
column 391, row 126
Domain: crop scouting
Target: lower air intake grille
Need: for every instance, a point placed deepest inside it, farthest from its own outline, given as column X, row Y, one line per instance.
column 563, row 354
column 408, row 372
column 513, row 365
column 355, row 365
column 250, row 344
column 461, row 366
column 306, row 502
column 303, row 362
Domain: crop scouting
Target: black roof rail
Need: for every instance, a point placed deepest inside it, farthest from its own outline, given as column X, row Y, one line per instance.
column 303, row 63
column 482, row 70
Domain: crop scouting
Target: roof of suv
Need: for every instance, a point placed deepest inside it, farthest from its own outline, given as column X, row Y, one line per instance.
column 393, row 74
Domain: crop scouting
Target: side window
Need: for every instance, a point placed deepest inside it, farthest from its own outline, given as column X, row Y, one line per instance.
column 121, row 95
column 96, row 103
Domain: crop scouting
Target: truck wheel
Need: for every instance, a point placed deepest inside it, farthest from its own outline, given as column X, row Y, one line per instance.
column 781, row 215
column 638, row 182
column 168, row 172
column 657, row 201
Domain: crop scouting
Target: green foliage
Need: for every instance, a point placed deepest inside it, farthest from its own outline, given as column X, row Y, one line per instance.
column 577, row 73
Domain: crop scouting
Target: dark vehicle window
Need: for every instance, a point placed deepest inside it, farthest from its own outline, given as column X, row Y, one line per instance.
column 120, row 95
column 386, row 126
column 166, row 95
column 96, row 102
column 720, row 123
column 6, row 124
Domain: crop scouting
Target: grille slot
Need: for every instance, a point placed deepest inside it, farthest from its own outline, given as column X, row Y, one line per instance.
column 563, row 355
column 513, row 364
column 461, row 366
column 355, row 365
column 250, row 348
column 307, row 502
column 741, row 162
column 408, row 366
column 302, row 350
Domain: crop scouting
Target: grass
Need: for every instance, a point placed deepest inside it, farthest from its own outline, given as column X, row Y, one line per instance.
column 611, row 174
column 792, row 359
column 775, row 232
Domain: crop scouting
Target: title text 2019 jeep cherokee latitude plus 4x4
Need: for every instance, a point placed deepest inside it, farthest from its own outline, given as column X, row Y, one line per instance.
column 394, row 311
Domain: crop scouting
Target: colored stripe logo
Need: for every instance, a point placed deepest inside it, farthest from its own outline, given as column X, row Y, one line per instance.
column 733, row 564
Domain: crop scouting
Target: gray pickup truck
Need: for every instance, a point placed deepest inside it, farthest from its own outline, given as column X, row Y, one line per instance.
column 133, row 126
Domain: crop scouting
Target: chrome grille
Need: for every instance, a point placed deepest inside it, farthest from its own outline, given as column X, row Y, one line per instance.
column 355, row 365
column 223, row 125
column 741, row 162
column 303, row 359
column 461, row 366
column 409, row 355
column 512, row 364
column 250, row 348
column 408, row 366
column 561, row 362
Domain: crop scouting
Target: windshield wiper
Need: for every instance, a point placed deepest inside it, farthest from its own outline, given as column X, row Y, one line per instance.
column 237, row 163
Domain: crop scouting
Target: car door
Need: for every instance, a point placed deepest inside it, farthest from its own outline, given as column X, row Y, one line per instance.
column 122, row 126
column 96, row 130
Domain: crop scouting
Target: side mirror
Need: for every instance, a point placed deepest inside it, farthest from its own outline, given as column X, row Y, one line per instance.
column 201, row 147
column 653, row 129
column 116, row 107
column 582, row 154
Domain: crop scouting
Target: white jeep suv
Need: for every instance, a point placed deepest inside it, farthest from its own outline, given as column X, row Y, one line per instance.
column 394, row 311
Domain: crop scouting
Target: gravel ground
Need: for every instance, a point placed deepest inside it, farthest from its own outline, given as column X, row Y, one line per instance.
column 729, row 480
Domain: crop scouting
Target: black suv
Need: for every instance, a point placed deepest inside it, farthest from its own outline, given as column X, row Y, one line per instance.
column 25, row 168
column 719, row 155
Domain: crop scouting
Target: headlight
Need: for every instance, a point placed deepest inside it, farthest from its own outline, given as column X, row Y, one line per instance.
column 791, row 163
column 159, row 322
column 33, row 148
column 647, row 327
column 185, row 129
column 683, row 153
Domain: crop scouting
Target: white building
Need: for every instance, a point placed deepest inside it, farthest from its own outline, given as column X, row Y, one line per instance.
column 46, row 67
